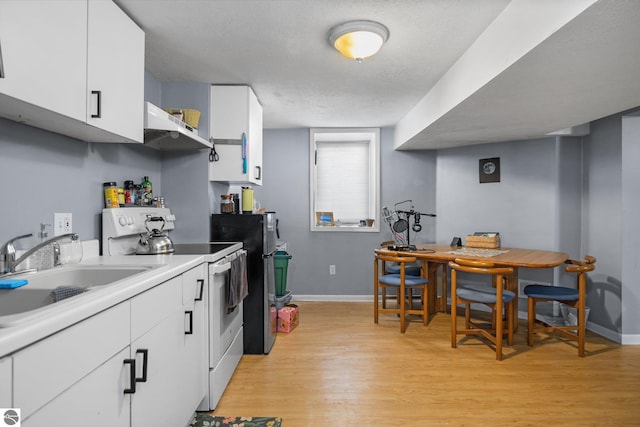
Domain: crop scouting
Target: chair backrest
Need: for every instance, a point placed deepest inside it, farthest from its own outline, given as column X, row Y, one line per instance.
column 589, row 264
column 393, row 256
column 479, row 267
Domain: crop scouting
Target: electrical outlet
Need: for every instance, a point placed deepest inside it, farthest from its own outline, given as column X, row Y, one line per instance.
column 332, row 269
column 62, row 224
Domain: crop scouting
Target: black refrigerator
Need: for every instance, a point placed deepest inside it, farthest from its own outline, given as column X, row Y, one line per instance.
column 257, row 232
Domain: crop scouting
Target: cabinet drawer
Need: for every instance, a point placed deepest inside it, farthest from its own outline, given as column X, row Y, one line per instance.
column 151, row 307
column 193, row 283
column 45, row 369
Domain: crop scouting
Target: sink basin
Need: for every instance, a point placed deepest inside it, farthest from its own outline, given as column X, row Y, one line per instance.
column 34, row 298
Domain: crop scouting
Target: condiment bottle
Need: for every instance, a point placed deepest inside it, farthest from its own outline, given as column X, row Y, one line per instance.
column 226, row 204
column 129, row 195
column 110, row 190
column 147, row 191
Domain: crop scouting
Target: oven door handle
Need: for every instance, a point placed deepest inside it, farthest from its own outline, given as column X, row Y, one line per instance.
column 221, row 267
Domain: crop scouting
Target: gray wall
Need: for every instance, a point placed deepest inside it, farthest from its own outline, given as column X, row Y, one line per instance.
column 543, row 200
column 285, row 190
column 43, row 173
column 630, row 297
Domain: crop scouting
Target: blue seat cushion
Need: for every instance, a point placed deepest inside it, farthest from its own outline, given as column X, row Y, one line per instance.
column 560, row 293
column 483, row 294
column 410, row 270
column 394, row 280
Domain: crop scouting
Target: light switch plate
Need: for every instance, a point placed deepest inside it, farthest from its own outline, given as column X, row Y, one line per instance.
column 62, row 223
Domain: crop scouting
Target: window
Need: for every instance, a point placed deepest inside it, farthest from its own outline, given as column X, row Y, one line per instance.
column 345, row 179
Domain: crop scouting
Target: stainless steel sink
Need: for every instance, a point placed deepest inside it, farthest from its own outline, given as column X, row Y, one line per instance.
column 35, row 298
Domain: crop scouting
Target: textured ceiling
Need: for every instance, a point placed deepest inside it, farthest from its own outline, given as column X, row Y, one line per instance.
column 280, row 49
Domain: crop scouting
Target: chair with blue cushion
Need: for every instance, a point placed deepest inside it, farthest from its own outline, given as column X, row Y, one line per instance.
column 497, row 298
column 574, row 297
column 413, row 269
column 401, row 282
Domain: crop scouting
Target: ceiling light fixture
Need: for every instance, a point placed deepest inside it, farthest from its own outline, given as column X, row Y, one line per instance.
column 358, row 39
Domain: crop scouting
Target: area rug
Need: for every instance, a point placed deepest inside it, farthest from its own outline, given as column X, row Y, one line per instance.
column 204, row 420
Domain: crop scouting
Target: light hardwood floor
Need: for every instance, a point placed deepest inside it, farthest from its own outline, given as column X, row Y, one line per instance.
column 338, row 368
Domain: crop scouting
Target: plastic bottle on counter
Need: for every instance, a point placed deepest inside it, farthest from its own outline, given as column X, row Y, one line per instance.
column 139, row 195
column 147, row 190
column 110, row 190
column 129, row 192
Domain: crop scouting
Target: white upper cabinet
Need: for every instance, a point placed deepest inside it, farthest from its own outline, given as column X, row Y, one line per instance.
column 115, row 72
column 235, row 111
column 43, row 45
column 72, row 67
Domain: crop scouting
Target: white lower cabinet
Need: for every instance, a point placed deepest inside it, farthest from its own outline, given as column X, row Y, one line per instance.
column 195, row 343
column 5, row 383
column 49, row 368
column 140, row 363
column 87, row 402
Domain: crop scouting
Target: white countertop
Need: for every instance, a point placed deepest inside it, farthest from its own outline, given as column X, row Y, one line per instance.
column 73, row 310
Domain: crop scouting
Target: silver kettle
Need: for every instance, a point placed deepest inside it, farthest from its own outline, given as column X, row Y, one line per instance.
column 155, row 241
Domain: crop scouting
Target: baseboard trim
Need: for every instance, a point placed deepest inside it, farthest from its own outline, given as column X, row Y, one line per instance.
column 333, row 298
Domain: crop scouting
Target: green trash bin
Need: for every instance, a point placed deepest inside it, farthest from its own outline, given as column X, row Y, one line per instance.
column 281, row 262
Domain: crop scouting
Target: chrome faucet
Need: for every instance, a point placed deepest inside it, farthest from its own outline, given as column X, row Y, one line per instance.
column 30, row 256
column 8, row 253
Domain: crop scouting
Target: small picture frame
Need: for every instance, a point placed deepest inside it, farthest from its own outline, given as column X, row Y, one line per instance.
column 324, row 219
column 489, row 170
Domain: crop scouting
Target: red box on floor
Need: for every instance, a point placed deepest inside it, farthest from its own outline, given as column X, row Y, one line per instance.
column 288, row 318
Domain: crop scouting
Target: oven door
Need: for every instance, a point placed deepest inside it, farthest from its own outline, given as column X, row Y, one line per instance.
column 223, row 326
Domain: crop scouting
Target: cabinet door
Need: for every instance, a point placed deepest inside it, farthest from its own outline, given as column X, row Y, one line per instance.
column 45, row 369
column 159, row 401
column 235, row 110
column 97, row 400
column 195, row 295
column 43, row 45
column 158, row 326
column 5, row 383
column 115, row 73
column 255, row 140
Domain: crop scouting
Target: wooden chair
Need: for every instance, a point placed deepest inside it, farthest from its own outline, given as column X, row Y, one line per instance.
column 401, row 282
column 394, row 268
column 497, row 298
column 574, row 297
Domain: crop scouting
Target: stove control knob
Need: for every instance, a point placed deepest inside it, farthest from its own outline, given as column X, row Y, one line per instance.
column 130, row 220
column 122, row 220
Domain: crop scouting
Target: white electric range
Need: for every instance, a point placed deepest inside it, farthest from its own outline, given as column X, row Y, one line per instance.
column 121, row 230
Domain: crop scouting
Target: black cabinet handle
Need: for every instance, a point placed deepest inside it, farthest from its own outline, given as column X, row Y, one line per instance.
column 132, row 376
column 99, row 94
column 190, row 331
column 145, row 360
column 201, row 282
column 258, row 172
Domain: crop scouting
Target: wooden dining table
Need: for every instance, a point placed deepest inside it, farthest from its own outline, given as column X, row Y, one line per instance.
column 435, row 258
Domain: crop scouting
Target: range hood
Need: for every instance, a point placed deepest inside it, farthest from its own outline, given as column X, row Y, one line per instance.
column 165, row 132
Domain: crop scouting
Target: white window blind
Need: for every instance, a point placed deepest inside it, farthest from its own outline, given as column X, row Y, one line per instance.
column 342, row 173
column 344, row 179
